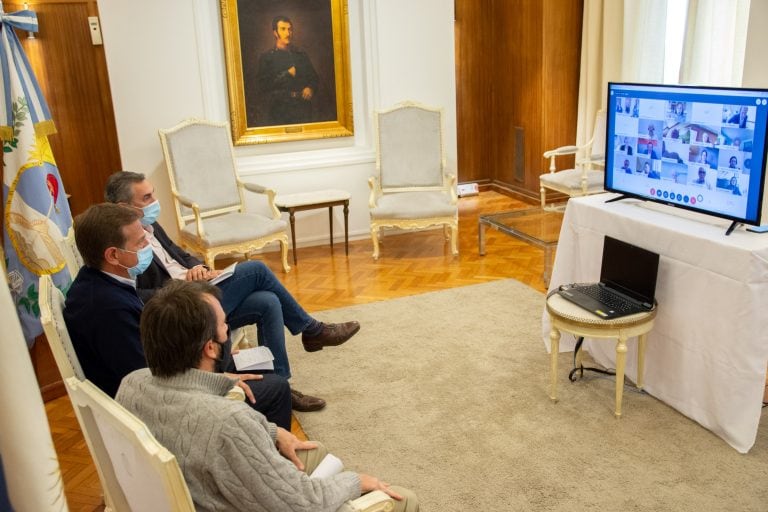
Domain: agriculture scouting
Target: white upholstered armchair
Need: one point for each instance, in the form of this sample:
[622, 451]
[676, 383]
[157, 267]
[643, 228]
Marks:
[209, 195]
[411, 188]
[587, 175]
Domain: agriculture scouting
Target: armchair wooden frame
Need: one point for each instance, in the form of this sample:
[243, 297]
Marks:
[450, 223]
[196, 243]
[583, 179]
[112, 430]
[51, 302]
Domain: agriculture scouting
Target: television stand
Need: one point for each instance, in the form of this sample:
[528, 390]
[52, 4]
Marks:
[617, 198]
[733, 226]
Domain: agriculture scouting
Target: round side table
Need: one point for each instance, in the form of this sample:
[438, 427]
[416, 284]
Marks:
[568, 317]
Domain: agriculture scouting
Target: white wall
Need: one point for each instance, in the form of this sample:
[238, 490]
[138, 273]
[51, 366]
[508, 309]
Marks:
[166, 63]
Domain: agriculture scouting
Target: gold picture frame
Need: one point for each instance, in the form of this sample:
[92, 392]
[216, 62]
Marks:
[312, 97]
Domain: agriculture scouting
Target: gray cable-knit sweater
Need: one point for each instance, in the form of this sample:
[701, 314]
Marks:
[225, 449]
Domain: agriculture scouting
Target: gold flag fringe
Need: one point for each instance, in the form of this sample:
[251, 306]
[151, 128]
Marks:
[44, 128]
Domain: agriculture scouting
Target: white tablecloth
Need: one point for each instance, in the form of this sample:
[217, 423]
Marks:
[707, 353]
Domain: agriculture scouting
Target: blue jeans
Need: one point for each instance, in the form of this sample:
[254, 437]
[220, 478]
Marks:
[253, 295]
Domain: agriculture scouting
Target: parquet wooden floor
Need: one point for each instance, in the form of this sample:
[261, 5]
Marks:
[409, 263]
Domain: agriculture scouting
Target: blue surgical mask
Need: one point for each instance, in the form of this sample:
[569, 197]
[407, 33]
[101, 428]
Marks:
[145, 258]
[151, 212]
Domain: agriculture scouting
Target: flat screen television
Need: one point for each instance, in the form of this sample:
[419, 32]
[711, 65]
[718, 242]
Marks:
[698, 148]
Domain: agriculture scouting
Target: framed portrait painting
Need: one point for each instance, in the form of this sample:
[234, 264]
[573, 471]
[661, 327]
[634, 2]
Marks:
[287, 69]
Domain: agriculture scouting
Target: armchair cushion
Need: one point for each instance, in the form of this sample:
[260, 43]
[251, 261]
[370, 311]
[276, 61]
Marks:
[571, 180]
[413, 205]
[233, 228]
[410, 147]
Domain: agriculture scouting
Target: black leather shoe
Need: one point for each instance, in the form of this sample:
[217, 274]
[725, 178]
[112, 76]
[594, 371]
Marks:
[331, 335]
[305, 403]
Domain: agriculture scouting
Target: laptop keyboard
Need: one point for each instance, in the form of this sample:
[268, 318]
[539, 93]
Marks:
[613, 301]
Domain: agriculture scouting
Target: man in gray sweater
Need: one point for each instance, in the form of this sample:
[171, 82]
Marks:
[231, 457]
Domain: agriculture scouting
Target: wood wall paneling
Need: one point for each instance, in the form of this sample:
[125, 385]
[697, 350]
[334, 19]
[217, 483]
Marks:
[474, 85]
[561, 65]
[523, 56]
[72, 73]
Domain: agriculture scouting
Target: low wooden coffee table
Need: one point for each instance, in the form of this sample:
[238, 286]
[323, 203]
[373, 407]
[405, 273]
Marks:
[538, 227]
[293, 203]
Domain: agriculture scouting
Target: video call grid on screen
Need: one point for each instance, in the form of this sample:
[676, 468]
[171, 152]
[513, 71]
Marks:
[695, 147]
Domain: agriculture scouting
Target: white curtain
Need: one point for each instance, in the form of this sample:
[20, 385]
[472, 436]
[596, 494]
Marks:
[645, 24]
[621, 41]
[715, 40]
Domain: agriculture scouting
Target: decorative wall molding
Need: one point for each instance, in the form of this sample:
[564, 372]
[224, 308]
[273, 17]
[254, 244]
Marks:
[307, 160]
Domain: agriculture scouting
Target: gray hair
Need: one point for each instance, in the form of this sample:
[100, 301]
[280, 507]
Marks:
[119, 187]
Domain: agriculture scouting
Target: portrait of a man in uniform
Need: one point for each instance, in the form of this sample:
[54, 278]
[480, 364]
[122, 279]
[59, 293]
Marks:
[288, 62]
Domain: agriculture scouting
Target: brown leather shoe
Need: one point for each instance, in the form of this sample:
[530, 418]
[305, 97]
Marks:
[305, 403]
[330, 336]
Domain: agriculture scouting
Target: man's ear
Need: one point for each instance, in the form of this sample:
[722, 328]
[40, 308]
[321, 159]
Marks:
[110, 255]
[210, 350]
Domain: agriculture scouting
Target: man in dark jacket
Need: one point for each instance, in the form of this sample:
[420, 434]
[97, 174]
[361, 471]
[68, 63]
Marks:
[252, 295]
[102, 309]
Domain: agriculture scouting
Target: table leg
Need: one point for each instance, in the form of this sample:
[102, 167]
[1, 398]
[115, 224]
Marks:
[346, 227]
[579, 360]
[621, 362]
[292, 219]
[481, 235]
[554, 347]
[330, 222]
[547, 264]
[640, 360]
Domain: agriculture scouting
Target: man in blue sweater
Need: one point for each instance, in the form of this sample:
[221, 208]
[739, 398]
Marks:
[252, 295]
[102, 309]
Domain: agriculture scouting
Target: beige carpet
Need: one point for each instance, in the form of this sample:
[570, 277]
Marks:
[446, 393]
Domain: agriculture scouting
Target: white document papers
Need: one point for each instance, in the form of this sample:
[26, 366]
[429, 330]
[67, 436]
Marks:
[225, 274]
[329, 466]
[256, 358]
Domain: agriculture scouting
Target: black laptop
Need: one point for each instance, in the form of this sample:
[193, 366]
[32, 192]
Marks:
[627, 282]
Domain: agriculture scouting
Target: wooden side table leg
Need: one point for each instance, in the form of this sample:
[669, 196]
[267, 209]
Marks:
[346, 227]
[547, 264]
[640, 360]
[554, 347]
[330, 223]
[481, 238]
[621, 362]
[292, 219]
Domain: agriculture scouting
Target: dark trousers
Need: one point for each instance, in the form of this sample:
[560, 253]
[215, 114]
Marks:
[273, 399]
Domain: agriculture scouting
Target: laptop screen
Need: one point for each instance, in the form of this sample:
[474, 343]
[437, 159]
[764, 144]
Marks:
[629, 269]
